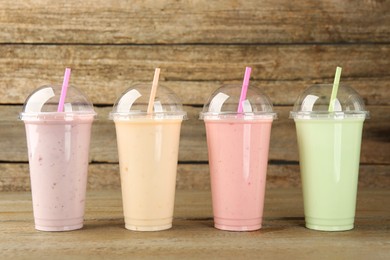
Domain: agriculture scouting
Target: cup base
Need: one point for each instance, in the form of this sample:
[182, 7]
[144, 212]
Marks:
[148, 228]
[58, 229]
[45, 224]
[322, 224]
[237, 224]
[237, 228]
[329, 228]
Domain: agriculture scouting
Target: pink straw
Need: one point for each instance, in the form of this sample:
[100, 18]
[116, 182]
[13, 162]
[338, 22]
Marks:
[244, 88]
[63, 90]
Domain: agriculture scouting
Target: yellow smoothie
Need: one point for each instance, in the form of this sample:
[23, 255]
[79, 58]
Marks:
[148, 154]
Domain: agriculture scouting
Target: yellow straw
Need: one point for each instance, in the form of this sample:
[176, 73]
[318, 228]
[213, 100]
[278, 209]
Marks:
[335, 89]
[153, 91]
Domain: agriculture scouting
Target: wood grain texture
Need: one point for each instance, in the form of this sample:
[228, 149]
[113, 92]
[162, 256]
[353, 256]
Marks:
[193, 235]
[15, 176]
[194, 71]
[199, 45]
[193, 147]
[185, 21]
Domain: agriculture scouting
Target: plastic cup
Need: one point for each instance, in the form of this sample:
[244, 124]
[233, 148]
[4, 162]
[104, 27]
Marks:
[238, 145]
[58, 149]
[148, 146]
[329, 153]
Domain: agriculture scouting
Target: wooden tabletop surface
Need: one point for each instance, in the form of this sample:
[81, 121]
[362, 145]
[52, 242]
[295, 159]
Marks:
[283, 235]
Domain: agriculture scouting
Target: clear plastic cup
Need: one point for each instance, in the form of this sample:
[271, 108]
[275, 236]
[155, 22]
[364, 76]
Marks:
[238, 145]
[58, 151]
[329, 153]
[148, 146]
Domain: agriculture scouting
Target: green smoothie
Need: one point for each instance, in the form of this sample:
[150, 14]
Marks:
[329, 152]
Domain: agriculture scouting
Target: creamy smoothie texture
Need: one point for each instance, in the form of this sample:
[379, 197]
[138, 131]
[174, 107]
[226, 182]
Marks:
[148, 153]
[238, 158]
[58, 158]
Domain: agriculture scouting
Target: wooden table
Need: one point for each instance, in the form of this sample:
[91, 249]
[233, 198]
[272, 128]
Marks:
[283, 235]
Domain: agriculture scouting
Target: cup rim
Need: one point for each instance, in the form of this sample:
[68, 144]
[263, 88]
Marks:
[327, 114]
[155, 115]
[235, 115]
[56, 116]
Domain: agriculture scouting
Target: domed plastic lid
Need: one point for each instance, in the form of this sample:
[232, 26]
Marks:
[223, 104]
[133, 103]
[42, 103]
[314, 103]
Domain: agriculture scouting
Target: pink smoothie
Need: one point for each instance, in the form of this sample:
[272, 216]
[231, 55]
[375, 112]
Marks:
[58, 157]
[238, 157]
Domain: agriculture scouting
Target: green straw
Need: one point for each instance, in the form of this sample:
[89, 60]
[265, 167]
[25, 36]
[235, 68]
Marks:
[335, 89]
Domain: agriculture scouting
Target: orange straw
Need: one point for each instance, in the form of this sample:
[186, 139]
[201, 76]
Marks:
[153, 91]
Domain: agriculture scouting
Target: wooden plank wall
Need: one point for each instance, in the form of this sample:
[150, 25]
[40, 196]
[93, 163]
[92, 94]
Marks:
[199, 45]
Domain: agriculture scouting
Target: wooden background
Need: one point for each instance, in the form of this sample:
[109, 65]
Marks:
[198, 45]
